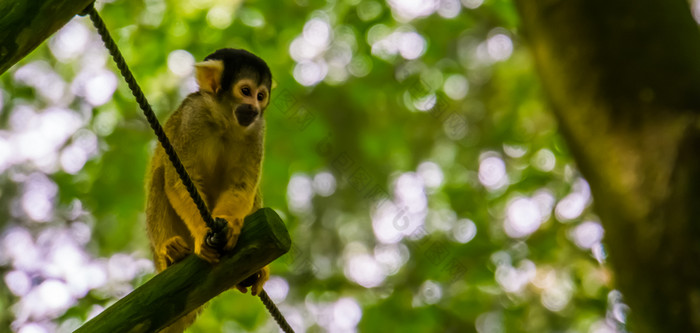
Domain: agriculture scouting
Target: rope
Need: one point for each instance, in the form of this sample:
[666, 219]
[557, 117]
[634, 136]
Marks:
[275, 312]
[217, 237]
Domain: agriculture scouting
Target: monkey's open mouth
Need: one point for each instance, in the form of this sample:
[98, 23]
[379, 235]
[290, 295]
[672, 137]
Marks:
[245, 115]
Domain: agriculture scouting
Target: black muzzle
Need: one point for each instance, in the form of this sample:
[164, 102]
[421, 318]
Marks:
[246, 114]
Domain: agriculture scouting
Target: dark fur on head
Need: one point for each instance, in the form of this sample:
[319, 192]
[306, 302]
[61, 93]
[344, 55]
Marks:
[239, 63]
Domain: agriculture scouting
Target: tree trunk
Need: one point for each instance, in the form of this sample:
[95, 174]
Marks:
[623, 78]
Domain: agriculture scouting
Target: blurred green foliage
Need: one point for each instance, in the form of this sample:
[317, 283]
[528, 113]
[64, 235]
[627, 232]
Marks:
[361, 124]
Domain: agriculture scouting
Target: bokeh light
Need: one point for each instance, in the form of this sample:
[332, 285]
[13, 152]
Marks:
[324, 184]
[38, 197]
[499, 47]
[40, 76]
[492, 172]
[409, 44]
[472, 4]
[252, 17]
[456, 86]
[407, 10]
[587, 234]
[449, 8]
[299, 193]
[70, 41]
[181, 63]
[369, 10]
[544, 160]
[220, 16]
[522, 217]
[429, 293]
[277, 288]
[572, 206]
[361, 267]
[464, 231]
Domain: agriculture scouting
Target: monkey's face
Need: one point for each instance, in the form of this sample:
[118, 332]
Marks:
[251, 100]
[240, 82]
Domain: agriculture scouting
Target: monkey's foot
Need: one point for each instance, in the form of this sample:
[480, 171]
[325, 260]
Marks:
[175, 249]
[255, 282]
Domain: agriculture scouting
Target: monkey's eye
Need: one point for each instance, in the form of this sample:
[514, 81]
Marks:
[245, 91]
[261, 96]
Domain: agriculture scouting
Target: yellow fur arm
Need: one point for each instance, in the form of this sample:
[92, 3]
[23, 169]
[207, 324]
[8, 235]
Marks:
[233, 206]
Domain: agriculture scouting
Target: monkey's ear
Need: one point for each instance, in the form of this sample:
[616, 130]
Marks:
[209, 75]
[274, 84]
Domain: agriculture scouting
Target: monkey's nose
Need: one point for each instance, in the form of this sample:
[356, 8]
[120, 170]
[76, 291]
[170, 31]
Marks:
[246, 114]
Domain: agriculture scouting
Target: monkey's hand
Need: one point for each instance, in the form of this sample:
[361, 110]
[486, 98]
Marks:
[209, 248]
[255, 282]
[206, 252]
[233, 230]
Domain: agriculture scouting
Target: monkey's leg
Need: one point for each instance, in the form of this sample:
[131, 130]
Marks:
[170, 238]
[186, 209]
[175, 242]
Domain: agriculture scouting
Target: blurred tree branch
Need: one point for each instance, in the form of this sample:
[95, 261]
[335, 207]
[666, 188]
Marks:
[24, 24]
[189, 284]
[624, 81]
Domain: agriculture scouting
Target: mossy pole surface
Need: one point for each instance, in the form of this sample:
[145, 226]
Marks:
[24, 24]
[192, 282]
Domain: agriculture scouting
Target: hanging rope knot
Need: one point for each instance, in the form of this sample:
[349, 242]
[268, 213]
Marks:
[216, 237]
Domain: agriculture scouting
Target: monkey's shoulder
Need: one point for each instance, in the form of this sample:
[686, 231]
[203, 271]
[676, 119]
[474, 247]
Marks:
[196, 116]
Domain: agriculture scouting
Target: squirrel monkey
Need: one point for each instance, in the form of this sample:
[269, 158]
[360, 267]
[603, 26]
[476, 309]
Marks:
[218, 133]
